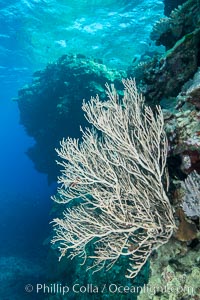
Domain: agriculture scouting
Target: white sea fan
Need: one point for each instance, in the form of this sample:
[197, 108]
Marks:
[119, 175]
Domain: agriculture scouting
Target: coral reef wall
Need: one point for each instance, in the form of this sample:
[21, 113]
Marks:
[173, 80]
[50, 107]
[163, 76]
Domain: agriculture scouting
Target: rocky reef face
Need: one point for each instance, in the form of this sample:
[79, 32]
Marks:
[174, 274]
[180, 34]
[50, 107]
[182, 20]
[164, 76]
[176, 75]
[183, 127]
[173, 80]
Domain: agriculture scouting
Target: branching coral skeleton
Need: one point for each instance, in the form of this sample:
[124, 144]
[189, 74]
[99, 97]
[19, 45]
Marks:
[117, 171]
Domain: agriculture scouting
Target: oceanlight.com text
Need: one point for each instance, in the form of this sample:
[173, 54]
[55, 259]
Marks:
[63, 289]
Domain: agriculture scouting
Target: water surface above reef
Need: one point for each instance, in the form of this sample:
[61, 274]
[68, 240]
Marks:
[34, 33]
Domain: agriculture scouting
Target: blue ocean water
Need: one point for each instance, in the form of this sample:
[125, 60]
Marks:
[32, 34]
